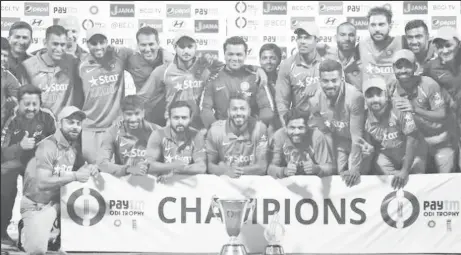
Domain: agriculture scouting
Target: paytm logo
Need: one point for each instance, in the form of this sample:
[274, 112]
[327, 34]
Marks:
[415, 7]
[36, 9]
[153, 23]
[296, 21]
[361, 23]
[329, 8]
[122, 10]
[178, 11]
[8, 22]
[275, 8]
[442, 21]
[207, 26]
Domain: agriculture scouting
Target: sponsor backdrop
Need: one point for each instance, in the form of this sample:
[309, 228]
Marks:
[258, 22]
[136, 214]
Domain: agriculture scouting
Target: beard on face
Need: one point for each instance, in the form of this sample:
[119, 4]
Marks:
[238, 120]
[71, 134]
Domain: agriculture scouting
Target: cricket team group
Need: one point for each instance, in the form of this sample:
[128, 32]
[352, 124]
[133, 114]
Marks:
[387, 105]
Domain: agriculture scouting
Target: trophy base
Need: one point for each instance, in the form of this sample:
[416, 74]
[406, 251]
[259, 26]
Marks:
[274, 249]
[233, 249]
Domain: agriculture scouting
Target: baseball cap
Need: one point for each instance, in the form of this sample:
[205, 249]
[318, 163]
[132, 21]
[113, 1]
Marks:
[307, 27]
[68, 111]
[446, 33]
[375, 82]
[182, 34]
[404, 54]
[69, 22]
[95, 31]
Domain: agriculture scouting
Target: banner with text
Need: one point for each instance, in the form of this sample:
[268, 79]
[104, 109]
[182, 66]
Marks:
[137, 214]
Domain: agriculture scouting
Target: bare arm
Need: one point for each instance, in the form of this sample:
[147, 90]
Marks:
[153, 156]
[211, 144]
[357, 123]
[275, 168]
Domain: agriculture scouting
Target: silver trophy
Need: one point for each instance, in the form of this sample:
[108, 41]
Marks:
[274, 235]
[233, 215]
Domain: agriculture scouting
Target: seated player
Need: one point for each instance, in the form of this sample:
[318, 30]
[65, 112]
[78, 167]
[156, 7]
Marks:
[46, 173]
[300, 150]
[338, 108]
[237, 146]
[127, 141]
[177, 148]
[393, 134]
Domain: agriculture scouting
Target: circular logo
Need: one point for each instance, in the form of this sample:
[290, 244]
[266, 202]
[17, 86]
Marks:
[28, 9]
[117, 223]
[71, 207]
[94, 10]
[435, 22]
[241, 22]
[87, 24]
[244, 86]
[388, 6]
[323, 7]
[431, 224]
[241, 7]
[397, 223]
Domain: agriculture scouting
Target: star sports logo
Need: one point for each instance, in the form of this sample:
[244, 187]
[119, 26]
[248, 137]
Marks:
[178, 11]
[330, 8]
[442, 21]
[122, 10]
[207, 26]
[415, 7]
[153, 23]
[275, 8]
[36, 9]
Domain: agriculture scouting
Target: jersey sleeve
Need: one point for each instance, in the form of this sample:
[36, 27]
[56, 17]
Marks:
[154, 147]
[199, 154]
[207, 103]
[265, 103]
[212, 144]
[11, 84]
[323, 154]
[46, 155]
[107, 152]
[261, 143]
[276, 147]
[407, 123]
[435, 96]
[153, 85]
[283, 89]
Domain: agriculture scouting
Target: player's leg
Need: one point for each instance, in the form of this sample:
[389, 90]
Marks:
[38, 220]
[10, 171]
[444, 158]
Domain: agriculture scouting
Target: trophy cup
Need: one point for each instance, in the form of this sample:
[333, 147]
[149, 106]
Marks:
[274, 235]
[233, 215]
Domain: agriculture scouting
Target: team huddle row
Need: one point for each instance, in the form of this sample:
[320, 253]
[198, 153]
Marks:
[387, 105]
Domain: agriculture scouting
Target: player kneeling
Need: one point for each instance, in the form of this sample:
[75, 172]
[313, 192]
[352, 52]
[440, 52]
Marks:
[393, 135]
[237, 146]
[300, 150]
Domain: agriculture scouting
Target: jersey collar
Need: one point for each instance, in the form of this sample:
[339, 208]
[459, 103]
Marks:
[300, 62]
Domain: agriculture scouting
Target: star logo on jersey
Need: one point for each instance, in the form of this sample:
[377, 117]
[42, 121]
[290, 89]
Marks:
[168, 158]
[93, 82]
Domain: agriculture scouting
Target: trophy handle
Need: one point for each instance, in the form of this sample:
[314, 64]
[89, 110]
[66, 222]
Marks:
[251, 205]
[215, 205]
